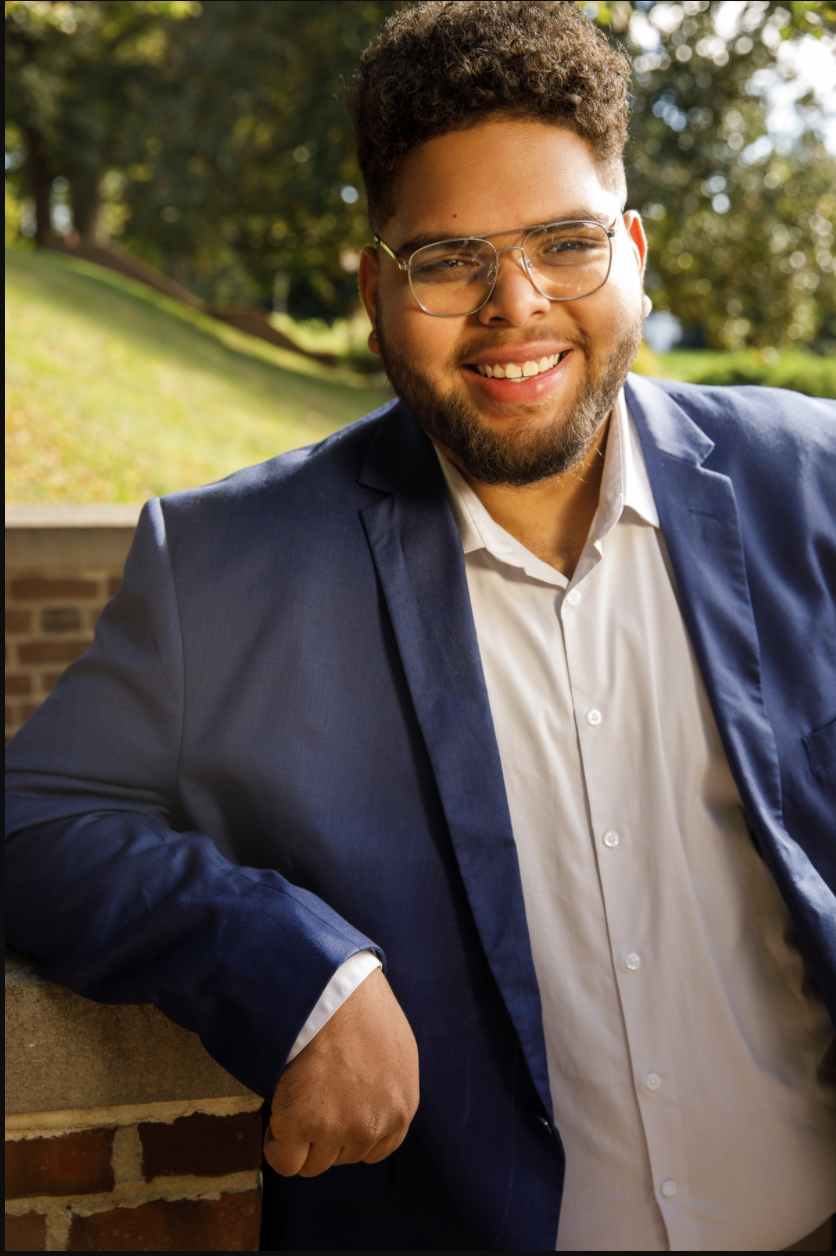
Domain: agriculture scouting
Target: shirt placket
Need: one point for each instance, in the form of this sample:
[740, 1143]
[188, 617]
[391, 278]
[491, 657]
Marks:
[627, 899]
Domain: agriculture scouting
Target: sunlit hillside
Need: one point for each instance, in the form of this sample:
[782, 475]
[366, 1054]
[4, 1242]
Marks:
[116, 393]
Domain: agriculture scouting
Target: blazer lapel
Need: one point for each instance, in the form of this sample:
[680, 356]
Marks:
[419, 561]
[698, 513]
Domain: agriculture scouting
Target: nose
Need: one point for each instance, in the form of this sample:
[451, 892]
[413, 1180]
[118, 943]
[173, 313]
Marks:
[514, 299]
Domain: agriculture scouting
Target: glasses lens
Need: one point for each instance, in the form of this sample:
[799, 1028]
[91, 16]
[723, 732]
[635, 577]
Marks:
[453, 277]
[569, 259]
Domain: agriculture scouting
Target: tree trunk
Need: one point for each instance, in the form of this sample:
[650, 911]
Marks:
[40, 176]
[86, 203]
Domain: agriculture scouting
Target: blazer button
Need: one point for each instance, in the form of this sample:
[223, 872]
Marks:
[544, 1122]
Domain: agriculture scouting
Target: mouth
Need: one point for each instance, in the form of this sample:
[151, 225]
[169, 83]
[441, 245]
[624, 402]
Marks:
[518, 372]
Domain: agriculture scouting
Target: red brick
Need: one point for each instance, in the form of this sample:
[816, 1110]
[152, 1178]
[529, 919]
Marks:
[26, 1233]
[228, 1224]
[51, 651]
[73, 1164]
[114, 584]
[93, 616]
[27, 709]
[36, 589]
[49, 681]
[19, 686]
[18, 621]
[10, 716]
[60, 619]
[204, 1145]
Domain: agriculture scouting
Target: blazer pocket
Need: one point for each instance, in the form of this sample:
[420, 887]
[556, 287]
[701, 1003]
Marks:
[821, 748]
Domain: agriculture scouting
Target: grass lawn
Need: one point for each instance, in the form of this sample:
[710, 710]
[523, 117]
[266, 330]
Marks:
[115, 393]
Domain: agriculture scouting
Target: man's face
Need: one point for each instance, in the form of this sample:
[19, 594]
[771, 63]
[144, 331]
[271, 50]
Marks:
[501, 174]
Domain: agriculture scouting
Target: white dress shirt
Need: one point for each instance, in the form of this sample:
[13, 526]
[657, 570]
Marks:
[684, 1034]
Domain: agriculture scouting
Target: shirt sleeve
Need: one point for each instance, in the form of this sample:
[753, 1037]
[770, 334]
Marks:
[343, 983]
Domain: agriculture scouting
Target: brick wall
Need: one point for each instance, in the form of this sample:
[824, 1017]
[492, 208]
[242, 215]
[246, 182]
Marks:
[135, 1181]
[63, 563]
[50, 617]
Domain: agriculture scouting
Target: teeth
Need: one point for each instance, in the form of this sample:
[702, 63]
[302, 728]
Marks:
[520, 370]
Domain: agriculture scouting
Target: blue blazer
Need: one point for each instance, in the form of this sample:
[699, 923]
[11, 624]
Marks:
[279, 751]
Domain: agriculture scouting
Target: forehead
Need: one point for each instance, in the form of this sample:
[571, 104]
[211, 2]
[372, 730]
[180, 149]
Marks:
[500, 174]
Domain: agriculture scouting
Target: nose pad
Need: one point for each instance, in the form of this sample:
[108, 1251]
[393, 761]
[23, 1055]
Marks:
[492, 269]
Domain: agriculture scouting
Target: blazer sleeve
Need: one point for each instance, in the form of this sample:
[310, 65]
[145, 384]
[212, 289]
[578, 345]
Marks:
[107, 886]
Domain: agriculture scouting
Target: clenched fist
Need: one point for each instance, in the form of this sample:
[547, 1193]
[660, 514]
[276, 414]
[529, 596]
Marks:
[351, 1093]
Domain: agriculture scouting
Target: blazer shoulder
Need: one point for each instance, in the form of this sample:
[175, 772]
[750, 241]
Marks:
[771, 422]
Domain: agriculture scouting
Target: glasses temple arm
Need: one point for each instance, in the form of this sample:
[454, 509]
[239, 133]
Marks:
[401, 265]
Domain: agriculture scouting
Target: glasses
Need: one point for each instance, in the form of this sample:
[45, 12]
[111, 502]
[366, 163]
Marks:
[564, 260]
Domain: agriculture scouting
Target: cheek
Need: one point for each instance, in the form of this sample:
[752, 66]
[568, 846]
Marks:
[415, 335]
[617, 303]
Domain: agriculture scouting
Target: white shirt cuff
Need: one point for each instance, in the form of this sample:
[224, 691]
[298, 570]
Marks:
[343, 983]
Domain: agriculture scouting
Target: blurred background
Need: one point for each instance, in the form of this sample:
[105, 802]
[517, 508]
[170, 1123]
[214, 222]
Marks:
[184, 215]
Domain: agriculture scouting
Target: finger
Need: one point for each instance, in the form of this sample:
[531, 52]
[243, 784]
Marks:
[286, 1156]
[321, 1156]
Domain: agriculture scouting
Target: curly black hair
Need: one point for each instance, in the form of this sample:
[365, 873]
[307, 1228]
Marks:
[441, 67]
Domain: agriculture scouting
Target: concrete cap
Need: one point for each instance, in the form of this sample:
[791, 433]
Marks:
[64, 1051]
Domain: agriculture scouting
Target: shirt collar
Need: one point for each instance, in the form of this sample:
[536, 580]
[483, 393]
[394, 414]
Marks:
[624, 486]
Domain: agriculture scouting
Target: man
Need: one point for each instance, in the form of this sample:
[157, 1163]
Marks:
[526, 683]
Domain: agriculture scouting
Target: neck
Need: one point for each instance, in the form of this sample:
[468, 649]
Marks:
[552, 517]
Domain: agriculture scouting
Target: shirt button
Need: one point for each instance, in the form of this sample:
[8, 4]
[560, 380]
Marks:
[593, 717]
[653, 1081]
[610, 838]
[632, 961]
[669, 1188]
[573, 597]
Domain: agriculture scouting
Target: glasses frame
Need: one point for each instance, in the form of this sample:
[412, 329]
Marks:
[527, 263]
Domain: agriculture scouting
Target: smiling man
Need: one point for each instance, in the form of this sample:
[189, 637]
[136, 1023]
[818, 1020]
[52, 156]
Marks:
[523, 686]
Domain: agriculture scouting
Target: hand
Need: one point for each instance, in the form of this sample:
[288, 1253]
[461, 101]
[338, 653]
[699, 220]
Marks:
[351, 1093]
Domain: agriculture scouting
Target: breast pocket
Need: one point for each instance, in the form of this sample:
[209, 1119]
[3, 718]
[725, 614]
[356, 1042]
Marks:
[821, 748]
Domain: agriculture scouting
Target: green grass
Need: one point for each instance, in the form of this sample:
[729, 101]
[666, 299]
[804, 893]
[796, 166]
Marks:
[116, 393]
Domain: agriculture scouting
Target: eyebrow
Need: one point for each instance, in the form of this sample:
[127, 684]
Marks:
[416, 242]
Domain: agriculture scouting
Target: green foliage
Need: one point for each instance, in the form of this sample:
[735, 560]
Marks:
[115, 393]
[741, 234]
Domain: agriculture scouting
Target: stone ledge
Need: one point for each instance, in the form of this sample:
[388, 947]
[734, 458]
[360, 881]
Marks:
[66, 1052]
[61, 538]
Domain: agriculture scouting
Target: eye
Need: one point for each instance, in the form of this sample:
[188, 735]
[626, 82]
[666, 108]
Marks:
[568, 245]
[448, 263]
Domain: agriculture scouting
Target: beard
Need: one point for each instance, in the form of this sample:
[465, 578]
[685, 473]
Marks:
[549, 448]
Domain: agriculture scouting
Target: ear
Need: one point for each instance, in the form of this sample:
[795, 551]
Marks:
[368, 278]
[635, 230]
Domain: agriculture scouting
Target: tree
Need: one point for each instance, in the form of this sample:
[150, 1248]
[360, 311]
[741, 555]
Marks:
[741, 231]
[72, 72]
[244, 160]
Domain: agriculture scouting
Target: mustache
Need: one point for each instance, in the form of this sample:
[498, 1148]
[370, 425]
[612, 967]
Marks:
[498, 343]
